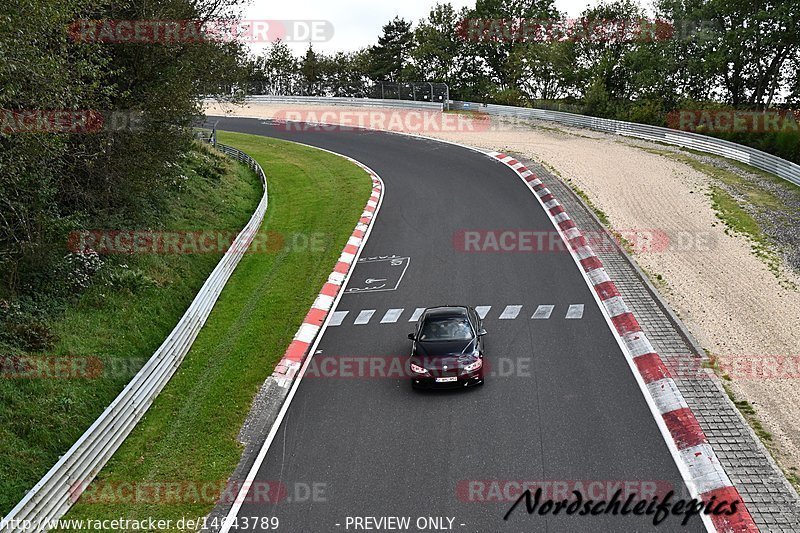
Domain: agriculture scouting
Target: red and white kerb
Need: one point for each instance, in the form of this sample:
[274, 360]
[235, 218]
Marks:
[292, 360]
[706, 474]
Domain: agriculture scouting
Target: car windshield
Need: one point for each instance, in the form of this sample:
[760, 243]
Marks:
[446, 329]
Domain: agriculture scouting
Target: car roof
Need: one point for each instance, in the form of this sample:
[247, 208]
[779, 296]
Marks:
[446, 311]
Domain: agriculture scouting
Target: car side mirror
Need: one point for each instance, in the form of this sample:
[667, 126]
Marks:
[481, 332]
[411, 336]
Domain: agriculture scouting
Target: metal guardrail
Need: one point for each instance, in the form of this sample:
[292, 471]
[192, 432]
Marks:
[60, 487]
[770, 163]
[761, 160]
[353, 102]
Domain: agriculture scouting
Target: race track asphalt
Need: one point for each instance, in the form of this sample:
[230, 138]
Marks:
[569, 409]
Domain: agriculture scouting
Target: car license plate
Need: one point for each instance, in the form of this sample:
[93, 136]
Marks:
[446, 380]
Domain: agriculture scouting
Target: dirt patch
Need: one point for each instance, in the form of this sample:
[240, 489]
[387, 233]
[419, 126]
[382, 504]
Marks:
[730, 300]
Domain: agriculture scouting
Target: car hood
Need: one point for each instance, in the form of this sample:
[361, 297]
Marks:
[445, 348]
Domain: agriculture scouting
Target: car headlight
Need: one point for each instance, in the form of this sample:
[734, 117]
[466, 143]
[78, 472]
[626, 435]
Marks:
[418, 369]
[474, 366]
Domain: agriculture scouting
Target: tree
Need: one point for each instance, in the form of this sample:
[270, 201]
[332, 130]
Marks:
[739, 49]
[545, 70]
[596, 100]
[603, 52]
[52, 183]
[345, 74]
[794, 81]
[389, 57]
[311, 67]
[437, 53]
[500, 36]
[278, 69]
[441, 53]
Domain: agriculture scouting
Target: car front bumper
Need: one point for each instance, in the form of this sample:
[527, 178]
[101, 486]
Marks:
[465, 379]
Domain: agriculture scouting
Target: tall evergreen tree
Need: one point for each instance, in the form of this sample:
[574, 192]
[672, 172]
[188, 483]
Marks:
[390, 56]
[311, 71]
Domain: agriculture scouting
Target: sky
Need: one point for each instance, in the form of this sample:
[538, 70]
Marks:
[357, 23]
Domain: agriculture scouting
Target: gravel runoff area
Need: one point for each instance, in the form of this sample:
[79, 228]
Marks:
[733, 304]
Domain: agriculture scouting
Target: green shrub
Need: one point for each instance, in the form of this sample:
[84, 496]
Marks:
[511, 96]
[24, 325]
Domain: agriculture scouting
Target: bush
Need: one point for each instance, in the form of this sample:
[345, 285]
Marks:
[647, 111]
[597, 101]
[23, 325]
[131, 280]
[78, 269]
[511, 96]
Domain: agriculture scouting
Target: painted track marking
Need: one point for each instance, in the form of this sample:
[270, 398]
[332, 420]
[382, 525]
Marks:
[510, 312]
[391, 316]
[338, 318]
[575, 311]
[417, 313]
[483, 310]
[364, 316]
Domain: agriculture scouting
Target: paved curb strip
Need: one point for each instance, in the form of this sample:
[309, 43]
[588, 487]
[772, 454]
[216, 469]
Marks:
[703, 473]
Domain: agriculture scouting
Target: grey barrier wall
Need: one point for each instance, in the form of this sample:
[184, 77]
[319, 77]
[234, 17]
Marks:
[761, 160]
[57, 491]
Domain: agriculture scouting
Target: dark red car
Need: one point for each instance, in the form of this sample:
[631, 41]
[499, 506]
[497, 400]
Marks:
[447, 350]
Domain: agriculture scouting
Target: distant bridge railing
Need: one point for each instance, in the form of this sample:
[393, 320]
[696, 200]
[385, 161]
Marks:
[761, 160]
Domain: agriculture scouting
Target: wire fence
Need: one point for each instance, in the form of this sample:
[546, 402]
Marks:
[416, 91]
